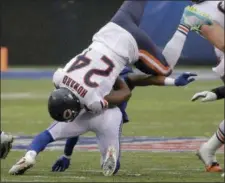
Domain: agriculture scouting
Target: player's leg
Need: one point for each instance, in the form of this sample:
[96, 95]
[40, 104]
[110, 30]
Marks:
[191, 19]
[175, 45]
[57, 131]
[129, 13]
[6, 144]
[151, 59]
[108, 137]
[208, 150]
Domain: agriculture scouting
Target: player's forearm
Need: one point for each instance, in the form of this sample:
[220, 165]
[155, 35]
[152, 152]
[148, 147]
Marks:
[145, 80]
[214, 34]
[117, 97]
[220, 92]
[70, 143]
[120, 93]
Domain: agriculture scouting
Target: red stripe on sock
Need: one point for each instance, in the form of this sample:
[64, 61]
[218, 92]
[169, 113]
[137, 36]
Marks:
[220, 136]
[184, 28]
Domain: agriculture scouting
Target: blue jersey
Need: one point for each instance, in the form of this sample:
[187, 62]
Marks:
[123, 106]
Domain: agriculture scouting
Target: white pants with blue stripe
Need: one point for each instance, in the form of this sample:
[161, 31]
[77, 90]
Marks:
[107, 127]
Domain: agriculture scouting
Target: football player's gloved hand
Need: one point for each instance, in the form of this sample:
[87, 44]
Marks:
[206, 96]
[185, 79]
[194, 19]
[61, 164]
[97, 107]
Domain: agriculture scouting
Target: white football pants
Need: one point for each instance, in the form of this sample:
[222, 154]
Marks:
[107, 126]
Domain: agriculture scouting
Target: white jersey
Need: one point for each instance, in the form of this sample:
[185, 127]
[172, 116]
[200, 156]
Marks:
[92, 74]
[118, 40]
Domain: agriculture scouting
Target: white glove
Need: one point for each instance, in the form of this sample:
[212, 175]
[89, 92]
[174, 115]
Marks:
[206, 96]
[97, 107]
[58, 77]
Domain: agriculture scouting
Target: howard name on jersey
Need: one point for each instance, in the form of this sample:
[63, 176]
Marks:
[92, 74]
[213, 8]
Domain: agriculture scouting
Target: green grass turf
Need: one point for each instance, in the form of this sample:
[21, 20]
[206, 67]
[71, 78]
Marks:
[154, 111]
[136, 167]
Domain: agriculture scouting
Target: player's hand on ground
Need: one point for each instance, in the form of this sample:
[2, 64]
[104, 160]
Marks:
[61, 164]
[194, 19]
[97, 107]
[185, 79]
[205, 96]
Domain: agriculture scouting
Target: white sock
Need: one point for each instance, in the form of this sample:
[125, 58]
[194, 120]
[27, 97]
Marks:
[174, 47]
[213, 144]
[32, 154]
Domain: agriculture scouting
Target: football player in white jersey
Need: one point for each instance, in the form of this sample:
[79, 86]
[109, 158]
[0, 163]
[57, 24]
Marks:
[83, 84]
[88, 77]
[211, 10]
[107, 126]
[215, 34]
[214, 12]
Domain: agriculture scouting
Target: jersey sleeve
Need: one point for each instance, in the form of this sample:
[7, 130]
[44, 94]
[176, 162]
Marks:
[58, 77]
[220, 92]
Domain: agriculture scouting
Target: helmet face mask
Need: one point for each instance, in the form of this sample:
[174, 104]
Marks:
[63, 105]
[69, 115]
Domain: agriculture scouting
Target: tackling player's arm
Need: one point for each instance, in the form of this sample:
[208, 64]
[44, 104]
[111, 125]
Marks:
[121, 93]
[146, 80]
[207, 96]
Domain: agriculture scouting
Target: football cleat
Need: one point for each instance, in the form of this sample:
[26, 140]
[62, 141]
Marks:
[110, 162]
[214, 167]
[194, 19]
[209, 159]
[22, 165]
[6, 144]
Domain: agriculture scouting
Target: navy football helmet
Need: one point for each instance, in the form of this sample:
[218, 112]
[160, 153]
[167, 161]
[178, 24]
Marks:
[63, 105]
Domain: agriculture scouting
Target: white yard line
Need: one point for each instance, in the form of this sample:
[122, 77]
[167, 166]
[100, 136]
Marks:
[23, 95]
